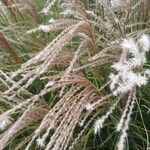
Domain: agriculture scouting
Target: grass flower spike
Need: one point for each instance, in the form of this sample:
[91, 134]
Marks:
[74, 74]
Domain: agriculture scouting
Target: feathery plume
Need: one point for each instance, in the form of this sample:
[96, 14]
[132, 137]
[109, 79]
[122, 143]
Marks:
[123, 125]
[89, 107]
[40, 142]
[126, 78]
[144, 41]
[100, 122]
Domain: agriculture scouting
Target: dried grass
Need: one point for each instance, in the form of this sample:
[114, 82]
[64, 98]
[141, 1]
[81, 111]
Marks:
[97, 36]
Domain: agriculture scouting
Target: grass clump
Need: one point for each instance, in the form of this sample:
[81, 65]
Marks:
[74, 74]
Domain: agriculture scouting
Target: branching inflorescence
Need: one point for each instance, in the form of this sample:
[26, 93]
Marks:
[130, 74]
[75, 43]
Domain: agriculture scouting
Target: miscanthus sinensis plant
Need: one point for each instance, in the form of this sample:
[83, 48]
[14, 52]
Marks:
[71, 70]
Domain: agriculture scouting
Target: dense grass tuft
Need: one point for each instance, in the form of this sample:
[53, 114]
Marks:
[74, 74]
